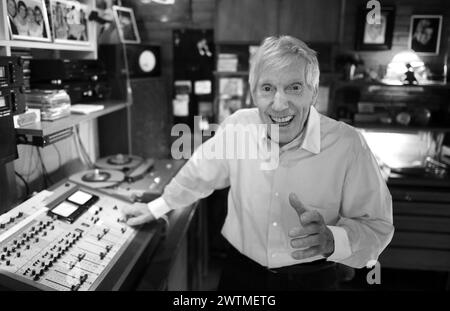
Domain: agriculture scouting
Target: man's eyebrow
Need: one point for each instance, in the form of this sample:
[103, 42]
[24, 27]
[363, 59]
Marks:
[293, 81]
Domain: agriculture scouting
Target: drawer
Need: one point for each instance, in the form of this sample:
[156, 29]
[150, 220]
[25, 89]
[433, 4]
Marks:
[421, 224]
[419, 195]
[415, 259]
[421, 209]
[436, 241]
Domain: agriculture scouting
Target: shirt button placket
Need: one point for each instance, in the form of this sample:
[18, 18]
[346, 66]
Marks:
[273, 225]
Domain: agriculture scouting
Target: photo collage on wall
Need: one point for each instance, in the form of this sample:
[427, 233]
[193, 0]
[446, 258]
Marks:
[64, 21]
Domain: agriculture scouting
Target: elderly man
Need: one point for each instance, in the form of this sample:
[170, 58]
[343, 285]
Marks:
[325, 202]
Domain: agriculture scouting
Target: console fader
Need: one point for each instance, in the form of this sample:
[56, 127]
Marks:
[67, 239]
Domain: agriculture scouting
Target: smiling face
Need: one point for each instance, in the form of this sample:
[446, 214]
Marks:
[22, 11]
[283, 98]
[30, 15]
[37, 15]
[12, 9]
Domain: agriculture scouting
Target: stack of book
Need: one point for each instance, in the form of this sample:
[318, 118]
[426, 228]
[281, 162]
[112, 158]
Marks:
[54, 104]
[227, 62]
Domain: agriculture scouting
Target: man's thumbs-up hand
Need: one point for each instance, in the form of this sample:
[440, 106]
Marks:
[312, 237]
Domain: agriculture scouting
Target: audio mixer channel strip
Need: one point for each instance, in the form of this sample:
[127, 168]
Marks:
[65, 240]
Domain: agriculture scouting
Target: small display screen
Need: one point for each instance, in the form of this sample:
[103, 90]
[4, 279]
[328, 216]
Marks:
[80, 197]
[2, 101]
[2, 71]
[65, 209]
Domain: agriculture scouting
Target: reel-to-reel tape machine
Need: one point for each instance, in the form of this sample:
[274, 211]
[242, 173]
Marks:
[129, 177]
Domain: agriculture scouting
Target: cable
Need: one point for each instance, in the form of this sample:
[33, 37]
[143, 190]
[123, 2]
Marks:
[45, 174]
[77, 147]
[59, 156]
[27, 187]
[82, 150]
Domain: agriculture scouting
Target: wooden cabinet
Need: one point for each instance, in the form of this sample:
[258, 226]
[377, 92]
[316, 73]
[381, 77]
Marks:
[310, 20]
[253, 20]
[245, 20]
[422, 228]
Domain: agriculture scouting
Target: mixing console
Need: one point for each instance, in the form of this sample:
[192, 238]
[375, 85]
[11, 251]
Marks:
[67, 239]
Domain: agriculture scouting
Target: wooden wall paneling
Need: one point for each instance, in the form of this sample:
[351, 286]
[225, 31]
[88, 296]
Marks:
[245, 20]
[310, 20]
[113, 133]
[150, 118]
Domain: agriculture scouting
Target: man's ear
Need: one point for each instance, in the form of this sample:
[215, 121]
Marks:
[315, 96]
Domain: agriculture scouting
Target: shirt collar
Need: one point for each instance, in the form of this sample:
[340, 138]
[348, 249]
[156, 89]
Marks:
[311, 142]
[309, 138]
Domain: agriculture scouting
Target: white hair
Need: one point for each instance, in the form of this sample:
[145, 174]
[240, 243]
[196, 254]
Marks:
[281, 52]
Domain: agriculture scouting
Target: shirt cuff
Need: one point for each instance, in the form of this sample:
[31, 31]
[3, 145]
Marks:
[342, 248]
[158, 207]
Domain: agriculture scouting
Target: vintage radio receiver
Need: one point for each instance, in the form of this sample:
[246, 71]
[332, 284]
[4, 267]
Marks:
[79, 91]
[71, 239]
[11, 72]
[8, 146]
[83, 80]
[13, 98]
[11, 84]
[64, 70]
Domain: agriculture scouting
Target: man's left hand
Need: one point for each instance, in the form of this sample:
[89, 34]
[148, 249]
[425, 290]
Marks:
[312, 237]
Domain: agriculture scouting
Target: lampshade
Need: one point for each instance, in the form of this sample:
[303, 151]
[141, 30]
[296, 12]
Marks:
[397, 67]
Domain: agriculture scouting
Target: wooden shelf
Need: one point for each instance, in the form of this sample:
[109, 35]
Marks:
[45, 128]
[47, 45]
[376, 83]
[231, 73]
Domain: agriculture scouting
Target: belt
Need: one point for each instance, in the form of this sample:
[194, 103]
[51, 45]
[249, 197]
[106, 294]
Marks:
[303, 268]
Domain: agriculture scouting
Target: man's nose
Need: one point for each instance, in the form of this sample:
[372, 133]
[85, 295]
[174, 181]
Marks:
[280, 102]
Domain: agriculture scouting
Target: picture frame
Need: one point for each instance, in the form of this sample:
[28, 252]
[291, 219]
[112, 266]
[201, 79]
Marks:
[126, 25]
[28, 20]
[375, 37]
[425, 34]
[69, 22]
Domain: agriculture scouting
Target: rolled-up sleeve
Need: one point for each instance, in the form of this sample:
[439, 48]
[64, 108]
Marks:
[366, 209]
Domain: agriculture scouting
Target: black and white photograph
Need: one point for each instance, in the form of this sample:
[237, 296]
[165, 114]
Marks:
[126, 24]
[270, 155]
[27, 20]
[69, 21]
[425, 34]
[377, 35]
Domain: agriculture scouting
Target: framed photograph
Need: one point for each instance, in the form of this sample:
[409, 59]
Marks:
[28, 20]
[376, 36]
[126, 24]
[69, 22]
[425, 34]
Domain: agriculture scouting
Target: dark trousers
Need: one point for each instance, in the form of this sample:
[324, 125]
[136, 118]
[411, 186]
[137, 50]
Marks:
[240, 273]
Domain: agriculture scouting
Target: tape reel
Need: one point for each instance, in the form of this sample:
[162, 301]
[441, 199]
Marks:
[119, 162]
[98, 178]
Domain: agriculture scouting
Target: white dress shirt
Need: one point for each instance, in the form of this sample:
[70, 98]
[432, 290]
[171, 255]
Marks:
[329, 167]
